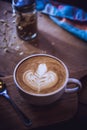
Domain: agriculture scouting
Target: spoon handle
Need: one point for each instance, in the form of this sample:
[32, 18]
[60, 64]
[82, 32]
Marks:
[24, 118]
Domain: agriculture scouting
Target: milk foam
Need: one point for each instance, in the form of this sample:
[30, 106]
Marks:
[41, 78]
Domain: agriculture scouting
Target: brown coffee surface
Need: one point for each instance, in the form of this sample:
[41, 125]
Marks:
[51, 76]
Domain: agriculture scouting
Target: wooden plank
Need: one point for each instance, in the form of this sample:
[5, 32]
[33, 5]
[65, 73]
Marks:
[61, 110]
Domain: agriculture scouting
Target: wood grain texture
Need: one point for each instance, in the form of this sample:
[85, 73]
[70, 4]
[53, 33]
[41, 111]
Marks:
[52, 40]
[61, 110]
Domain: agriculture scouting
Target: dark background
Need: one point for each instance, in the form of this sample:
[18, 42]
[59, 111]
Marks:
[78, 3]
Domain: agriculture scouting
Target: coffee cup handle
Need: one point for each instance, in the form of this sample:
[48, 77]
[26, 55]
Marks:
[73, 81]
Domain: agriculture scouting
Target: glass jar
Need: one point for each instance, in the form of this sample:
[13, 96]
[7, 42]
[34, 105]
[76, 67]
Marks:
[26, 19]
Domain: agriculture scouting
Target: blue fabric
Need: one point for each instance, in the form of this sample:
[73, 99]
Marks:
[66, 11]
[40, 4]
[72, 29]
[56, 10]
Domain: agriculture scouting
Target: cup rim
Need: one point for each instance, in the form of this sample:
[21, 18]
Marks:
[34, 94]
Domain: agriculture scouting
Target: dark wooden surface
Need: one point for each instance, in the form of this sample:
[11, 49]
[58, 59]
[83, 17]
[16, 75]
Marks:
[52, 40]
[57, 112]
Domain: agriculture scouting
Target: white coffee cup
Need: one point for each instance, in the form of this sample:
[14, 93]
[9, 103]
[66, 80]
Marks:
[46, 71]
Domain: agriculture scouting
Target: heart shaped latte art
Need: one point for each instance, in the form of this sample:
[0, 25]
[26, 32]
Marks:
[41, 79]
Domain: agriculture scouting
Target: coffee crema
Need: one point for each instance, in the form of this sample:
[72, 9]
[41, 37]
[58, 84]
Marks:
[40, 74]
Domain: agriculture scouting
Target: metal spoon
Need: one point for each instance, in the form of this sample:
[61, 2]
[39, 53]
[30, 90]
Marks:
[3, 92]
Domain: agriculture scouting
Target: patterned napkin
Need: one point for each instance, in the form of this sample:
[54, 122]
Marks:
[71, 18]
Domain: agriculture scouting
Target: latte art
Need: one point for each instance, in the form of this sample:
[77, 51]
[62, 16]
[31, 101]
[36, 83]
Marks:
[40, 79]
[40, 74]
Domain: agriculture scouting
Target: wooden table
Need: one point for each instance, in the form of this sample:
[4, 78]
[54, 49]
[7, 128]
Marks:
[52, 40]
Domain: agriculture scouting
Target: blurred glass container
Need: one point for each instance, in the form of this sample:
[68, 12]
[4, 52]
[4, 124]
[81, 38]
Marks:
[26, 19]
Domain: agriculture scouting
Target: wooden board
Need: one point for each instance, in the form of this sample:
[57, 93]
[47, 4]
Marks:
[61, 110]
